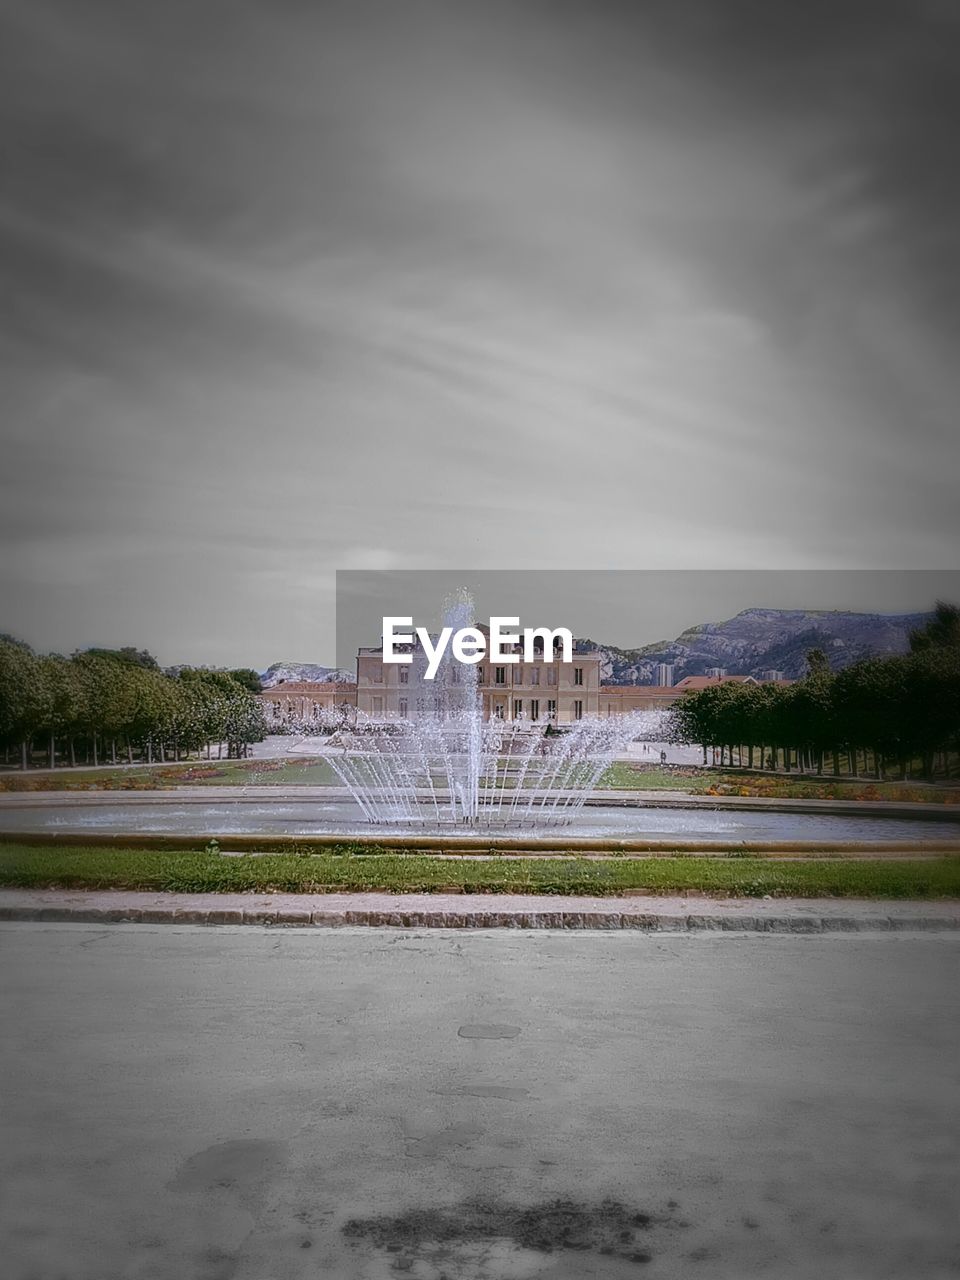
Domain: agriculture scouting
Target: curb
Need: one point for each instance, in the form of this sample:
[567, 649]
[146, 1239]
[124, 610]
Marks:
[651, 922]
[486, 845]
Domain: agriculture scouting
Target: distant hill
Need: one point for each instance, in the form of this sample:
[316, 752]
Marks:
[759, 639]
[285, 672]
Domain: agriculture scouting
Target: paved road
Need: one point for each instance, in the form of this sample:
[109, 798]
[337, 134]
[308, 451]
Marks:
[247, 1104]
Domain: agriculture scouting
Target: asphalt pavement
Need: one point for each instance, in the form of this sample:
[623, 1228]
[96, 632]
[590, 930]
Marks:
[218, 1103]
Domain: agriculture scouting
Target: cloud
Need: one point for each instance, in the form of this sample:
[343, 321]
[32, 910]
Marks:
[291, 285]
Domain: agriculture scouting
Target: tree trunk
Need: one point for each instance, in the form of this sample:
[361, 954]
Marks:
[129, 752]
[73, 755]
[24, 752]
[53, 751]
[95, 760]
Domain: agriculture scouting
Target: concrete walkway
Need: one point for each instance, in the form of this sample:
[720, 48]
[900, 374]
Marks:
[481, 911]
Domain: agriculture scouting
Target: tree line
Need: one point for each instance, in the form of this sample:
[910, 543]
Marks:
[879, 714]
[106, 706]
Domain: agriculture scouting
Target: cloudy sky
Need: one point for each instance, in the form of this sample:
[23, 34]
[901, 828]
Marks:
[298, 285]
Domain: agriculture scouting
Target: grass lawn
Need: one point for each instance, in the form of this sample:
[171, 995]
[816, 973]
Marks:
[101, 868]
[623, 776]
[626, 776]
[311, 771]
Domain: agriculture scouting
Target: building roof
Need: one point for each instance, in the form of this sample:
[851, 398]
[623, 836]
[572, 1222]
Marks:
[704, 682]
[648, 690]
[693, 684]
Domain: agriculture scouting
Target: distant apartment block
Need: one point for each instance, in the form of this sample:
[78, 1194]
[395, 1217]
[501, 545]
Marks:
[663, 675]
[771, 675]
[716, 673]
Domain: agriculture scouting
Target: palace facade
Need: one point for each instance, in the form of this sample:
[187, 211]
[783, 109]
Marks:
[303, 701]
[540, 692]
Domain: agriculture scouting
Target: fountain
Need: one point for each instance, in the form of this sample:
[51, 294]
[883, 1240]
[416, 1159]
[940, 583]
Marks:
[445, 765]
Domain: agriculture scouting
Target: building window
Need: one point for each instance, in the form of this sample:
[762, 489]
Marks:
[518, 676]
[578, 710]
[578, 675]
[455, 673]
[378, 706]
[404, 676]
[403, 708]
[534, 708]
[551, 675]
[499, 710]
[500, 676]
[534, 675]
[517, 708]
[551, 708]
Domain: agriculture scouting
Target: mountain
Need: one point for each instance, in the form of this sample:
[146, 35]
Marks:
[285, 672]
[760, 639]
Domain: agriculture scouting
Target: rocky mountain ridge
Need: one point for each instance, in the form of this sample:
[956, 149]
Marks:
[759, 640]
[290, 672]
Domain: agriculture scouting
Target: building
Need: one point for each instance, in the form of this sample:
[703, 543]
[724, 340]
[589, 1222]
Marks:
[620, 699]
[771, 676]
[541, 691]
[664, 675]
[716, 673]
[304, 701]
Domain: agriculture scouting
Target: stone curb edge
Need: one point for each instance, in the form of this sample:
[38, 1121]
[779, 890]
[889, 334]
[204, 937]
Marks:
[607, 920]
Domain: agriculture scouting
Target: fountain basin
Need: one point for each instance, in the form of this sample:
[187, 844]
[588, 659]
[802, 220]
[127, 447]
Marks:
[617, 824]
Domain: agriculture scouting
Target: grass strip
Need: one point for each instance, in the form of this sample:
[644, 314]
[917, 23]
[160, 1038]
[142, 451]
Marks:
[620, 776]
[33, 867]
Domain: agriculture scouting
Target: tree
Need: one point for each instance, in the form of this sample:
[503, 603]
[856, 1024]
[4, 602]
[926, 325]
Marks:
[131, 656]
[942, 631]
[21, 696]
[248, 679]
[62, 709]
[109, 698]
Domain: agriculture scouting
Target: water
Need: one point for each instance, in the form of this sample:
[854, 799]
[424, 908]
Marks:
[444, 765]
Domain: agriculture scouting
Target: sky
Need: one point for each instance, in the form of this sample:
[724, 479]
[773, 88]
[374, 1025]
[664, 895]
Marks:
[291, 287]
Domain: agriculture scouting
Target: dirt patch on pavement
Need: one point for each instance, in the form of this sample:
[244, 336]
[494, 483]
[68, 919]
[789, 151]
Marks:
[610, 1228]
